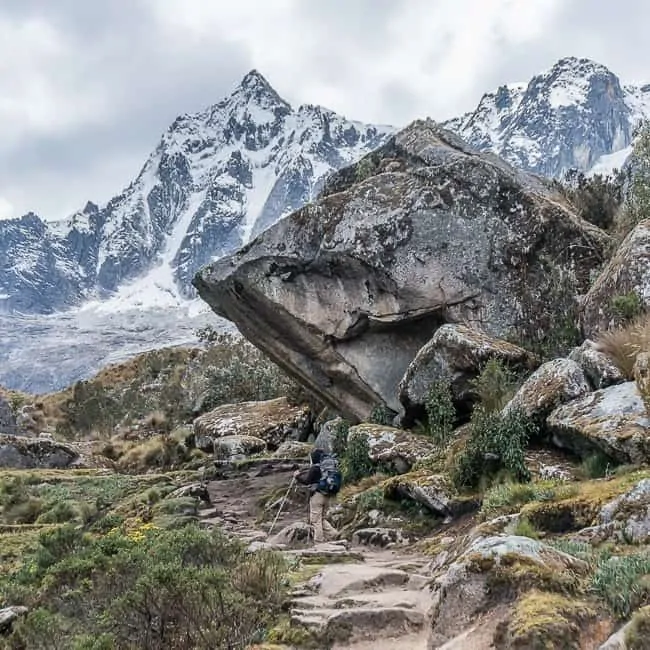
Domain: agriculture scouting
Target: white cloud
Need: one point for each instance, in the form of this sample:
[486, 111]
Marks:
[6, 209]
[92, 85]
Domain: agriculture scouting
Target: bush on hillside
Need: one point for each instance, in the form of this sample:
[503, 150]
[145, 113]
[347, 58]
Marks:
[497, 443]
[495, 386]
[597, 199]
[146, 588]
[441, 412]
[356, 463]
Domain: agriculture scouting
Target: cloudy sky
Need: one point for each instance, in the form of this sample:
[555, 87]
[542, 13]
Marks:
[87, 87]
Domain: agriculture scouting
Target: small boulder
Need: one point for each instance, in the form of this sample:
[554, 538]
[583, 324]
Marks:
[382, 537]
[627, 272]
[293, 450]
[456, 353]
[274, 421]
[394, 448]
[8, 617]
[296, 533]
[642, 378]
[612, 420]
[325, 438]
[554, 383]
[627, 517]
[236, 447]
[432, 491]
[194, 490]
[24, 452]
[599, 369]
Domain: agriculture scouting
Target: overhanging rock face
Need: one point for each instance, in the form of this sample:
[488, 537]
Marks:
[424, 231]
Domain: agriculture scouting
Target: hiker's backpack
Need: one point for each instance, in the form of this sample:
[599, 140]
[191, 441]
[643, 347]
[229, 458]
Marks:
[330, 476]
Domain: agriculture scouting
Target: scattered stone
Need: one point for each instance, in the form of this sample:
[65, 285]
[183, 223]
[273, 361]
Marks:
[383, 537]
[625, 519]
[555, 383]
[237, 447]
[456, 353]
[642, 378]
[25, 452]
[627, 272]
[612, 420]
[8, 616]
[297, 532]
[194, 490]
[294, 450]
[393, 448]
[347, 289]
[432, 491]
[273, 421]
[599, 369]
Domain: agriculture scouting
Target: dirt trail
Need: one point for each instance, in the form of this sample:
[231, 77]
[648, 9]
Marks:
[361, 599]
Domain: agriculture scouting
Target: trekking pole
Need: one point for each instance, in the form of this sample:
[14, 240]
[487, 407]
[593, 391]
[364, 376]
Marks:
[293, 480]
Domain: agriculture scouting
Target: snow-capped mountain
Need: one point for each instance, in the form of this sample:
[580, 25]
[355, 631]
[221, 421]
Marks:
[216, 179]
[219, 177]
[577, 115]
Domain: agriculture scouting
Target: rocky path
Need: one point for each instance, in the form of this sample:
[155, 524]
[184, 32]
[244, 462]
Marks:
[360, 598]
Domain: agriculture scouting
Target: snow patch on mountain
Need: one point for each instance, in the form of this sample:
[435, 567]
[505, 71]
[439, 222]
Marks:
[574, 115]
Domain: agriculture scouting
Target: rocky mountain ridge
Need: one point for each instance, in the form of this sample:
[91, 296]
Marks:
[215, 179]
[576, 115]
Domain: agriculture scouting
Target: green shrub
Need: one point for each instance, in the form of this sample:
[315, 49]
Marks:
[597, 465]
[638, 631]
[441, 412]
[525, 528]
[356, 463]
[340, 438]
[495, 386]
[147, 589]
[597, 198]
[372, 499]
[496, 443]
[623, 582]
[627, 307]
[508, 497]
[239, 372]
[381, 415]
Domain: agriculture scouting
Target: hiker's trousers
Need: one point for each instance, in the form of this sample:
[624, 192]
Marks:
[318, 506]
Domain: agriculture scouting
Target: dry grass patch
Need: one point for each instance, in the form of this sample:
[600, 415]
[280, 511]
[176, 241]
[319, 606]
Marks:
[623, 344]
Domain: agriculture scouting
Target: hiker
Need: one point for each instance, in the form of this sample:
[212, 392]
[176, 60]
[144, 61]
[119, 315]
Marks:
[324, 480]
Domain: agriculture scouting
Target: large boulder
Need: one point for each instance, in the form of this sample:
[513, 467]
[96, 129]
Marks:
[395, 449]
[424, 231]
[554, 383]
[612, 420]
[23, 452]
[456, 353]
[627, 272]
[467, 587]
[274, 421]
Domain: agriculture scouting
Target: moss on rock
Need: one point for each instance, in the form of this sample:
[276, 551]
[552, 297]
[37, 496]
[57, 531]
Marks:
[548, 621]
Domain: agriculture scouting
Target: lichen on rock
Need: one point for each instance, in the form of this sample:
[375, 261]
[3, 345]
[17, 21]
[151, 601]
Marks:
[612, 420]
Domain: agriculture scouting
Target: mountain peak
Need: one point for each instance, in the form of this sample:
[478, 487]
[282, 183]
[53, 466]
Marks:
[255, 86]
